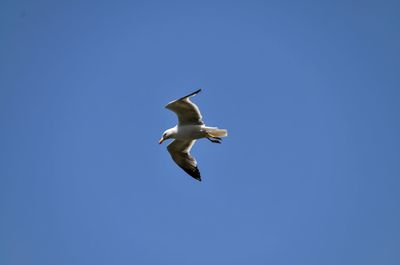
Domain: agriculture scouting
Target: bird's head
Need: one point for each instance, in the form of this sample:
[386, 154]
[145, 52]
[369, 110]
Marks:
[167, 135]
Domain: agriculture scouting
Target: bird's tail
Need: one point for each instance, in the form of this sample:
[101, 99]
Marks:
[215, 132]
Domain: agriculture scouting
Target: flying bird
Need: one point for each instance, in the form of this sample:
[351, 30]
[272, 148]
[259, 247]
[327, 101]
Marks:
[190, 128]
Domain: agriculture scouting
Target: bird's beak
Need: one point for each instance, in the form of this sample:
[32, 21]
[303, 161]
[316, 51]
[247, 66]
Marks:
[161, 140]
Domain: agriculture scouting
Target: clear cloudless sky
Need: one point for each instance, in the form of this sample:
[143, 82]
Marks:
[309, 91]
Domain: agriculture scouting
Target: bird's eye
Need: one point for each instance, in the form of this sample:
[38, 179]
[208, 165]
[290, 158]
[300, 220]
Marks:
[164, 134]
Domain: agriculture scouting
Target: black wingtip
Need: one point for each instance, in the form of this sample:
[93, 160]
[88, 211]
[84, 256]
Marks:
[199, 179]
[197, 91]
[194, 173]
[196, 176]
[191, 94]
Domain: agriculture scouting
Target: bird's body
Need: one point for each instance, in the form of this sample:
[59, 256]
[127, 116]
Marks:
[190, 128]
[191, 132]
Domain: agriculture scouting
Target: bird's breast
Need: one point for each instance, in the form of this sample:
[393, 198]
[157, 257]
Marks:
[190, 132]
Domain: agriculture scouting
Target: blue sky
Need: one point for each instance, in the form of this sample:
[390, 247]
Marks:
[309, 91]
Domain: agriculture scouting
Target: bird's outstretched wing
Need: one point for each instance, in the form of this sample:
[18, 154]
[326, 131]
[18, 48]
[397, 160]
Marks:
[188, 113]
[180, 153]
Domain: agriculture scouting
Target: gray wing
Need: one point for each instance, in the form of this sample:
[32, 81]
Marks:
[180, 153]
[188, 113]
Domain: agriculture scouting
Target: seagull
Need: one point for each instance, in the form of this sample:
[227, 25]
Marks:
[190, 128]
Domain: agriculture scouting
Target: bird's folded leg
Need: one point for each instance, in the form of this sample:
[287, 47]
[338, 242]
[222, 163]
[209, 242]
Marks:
[214, 140]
